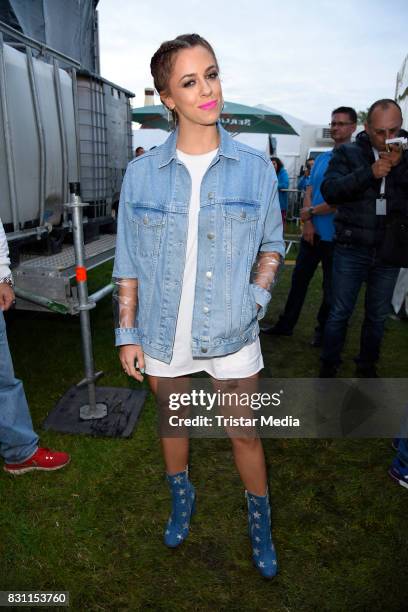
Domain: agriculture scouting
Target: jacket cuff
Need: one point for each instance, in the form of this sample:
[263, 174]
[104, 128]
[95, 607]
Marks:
[262, 297]
[127, 335]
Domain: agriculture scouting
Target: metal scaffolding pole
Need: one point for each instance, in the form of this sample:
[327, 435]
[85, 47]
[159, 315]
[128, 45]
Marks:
[92, 410]
[86, 408]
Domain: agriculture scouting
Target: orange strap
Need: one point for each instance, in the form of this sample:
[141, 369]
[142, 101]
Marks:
[81, 275]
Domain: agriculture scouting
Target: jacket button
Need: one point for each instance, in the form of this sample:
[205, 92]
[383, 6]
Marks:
[145, 220]
[243, 214]
[203, 349]
[210, 195]
[210, 236]
[206, 309]
[208, 274]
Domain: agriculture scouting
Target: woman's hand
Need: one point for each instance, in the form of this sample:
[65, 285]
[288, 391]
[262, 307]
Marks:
[128, 355]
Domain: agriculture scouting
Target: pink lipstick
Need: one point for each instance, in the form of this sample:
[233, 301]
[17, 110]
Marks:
[209, 105]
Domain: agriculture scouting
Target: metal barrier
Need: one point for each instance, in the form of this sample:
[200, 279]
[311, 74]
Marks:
[295, 203]
[290, 240]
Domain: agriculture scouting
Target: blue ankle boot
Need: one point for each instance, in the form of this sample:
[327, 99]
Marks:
[183, 507]
[259, 523]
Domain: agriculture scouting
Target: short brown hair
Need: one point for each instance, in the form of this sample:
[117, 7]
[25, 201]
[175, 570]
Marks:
[346, 110]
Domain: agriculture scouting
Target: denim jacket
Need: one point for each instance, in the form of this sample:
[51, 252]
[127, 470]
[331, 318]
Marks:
[239, 217]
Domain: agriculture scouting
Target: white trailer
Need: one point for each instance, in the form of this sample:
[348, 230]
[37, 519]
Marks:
[401, 91]
[400, 297]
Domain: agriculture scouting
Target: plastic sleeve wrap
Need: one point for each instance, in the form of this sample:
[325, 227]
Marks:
[125, 311]
[264, 275]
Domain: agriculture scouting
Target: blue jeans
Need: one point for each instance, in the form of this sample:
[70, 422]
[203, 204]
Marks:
[353, 266]
[18, 440]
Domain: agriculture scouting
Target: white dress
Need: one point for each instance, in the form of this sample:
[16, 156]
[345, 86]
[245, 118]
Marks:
[245, 362]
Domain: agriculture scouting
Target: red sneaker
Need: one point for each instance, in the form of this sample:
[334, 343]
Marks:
[43, 459]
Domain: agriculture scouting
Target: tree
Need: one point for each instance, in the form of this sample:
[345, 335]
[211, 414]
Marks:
[362, 116]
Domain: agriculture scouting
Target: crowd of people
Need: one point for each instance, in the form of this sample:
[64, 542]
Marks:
[199, 246]
[355, 223]
[354, 217]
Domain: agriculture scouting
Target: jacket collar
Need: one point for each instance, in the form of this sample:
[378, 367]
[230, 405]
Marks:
[227, 148]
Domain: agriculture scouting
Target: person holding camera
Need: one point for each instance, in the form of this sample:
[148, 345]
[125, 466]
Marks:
[367, 181]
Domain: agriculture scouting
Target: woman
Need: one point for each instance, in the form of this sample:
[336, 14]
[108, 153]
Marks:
[303, 181]
[283, 184]
[196, 214]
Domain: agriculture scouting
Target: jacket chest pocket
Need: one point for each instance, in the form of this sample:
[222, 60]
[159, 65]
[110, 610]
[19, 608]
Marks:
[149, 224]
[240, 225]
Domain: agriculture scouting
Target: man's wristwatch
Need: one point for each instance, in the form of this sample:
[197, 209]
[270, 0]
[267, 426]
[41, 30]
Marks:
[311, 213]
[8, 280]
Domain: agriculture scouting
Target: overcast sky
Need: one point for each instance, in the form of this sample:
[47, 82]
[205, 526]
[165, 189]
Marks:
[303, 58]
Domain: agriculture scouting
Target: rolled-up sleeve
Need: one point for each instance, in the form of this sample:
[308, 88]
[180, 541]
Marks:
[272, 239]
[125, 272]
[272, 248]
[125, 265]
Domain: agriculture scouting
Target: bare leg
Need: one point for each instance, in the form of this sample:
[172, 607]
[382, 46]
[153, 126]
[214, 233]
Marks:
[250, 461]
[248, 451]
[175, 453]
[175, 450]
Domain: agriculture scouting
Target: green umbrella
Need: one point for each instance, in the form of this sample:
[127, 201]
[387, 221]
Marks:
[151, 117]
[237, 118]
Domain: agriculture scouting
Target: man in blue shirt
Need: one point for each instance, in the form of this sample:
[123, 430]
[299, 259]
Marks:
[316, 243]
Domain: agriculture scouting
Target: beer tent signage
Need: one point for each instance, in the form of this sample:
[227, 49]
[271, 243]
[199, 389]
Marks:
[236, 118]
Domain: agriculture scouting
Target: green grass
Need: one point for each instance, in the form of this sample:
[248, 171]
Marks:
[95, 528]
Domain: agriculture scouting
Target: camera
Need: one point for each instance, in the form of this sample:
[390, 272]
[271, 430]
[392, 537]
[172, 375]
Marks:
[400, 142]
